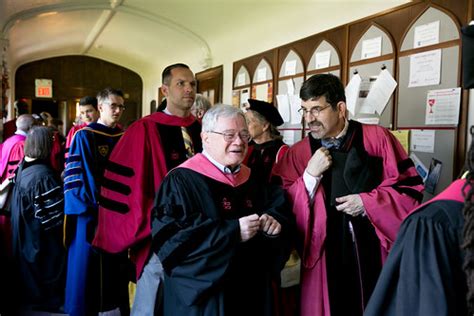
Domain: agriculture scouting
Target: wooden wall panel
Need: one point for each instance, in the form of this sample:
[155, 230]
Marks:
[76, 76]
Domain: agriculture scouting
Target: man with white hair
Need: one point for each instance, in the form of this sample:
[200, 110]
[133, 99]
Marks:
[220, 236]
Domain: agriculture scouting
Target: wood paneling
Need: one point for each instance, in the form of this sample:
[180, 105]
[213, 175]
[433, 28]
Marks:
[76, 76]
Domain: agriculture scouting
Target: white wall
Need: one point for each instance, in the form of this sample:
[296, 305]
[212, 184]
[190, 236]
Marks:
[257, 38]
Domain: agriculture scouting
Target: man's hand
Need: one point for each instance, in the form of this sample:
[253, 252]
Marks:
[350, 204]
[269, 225]
[249, 226]
[319, 162]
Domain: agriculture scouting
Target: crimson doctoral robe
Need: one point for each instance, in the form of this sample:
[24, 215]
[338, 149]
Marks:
[150, 147]
[398, 192]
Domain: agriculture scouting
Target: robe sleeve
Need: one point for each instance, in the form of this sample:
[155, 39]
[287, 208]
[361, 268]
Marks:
[400, 189]
[195, 250]
[310, 215]
[423, 274]
[80, 189]
[16, 156]
[132, 177]
[49, 203]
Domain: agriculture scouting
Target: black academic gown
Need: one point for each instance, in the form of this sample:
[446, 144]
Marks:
[37, 218]
[196, 235]
[423, 274]
[261, 158]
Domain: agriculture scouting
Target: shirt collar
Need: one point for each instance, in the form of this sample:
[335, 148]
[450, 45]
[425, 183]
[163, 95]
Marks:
[344, 130]
[20, 132]
[221, 167]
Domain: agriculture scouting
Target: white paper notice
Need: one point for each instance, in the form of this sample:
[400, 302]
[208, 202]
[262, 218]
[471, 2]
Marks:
[261, 92]
[426, 34]
[290, 67]
[261, 74]
[290, 86]
[422, 140]
[244, 96]
[283, 107]
[381, 91]
[352, 93]
[240, 79]
[371, 48]
[323, 59]
[442, 106]
[365, 87]
[425, 69]
[295, 105]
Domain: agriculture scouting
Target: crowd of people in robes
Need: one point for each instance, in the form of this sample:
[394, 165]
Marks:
[208, 212]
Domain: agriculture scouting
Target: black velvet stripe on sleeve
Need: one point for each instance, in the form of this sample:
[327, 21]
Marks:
[410, 192]
[119, 169]
[13, 163]
[71, 185]
[404, 165]
[72, 172]
[116, 186]
[73, 158]
[410, 181]
[114, 206]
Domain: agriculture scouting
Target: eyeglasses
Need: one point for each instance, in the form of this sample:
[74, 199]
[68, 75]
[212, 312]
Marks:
[315, 111]
[230, 137]
[115, 106]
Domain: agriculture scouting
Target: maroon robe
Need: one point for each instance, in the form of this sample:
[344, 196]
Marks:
[12, 154]
[136, 168]
[386, 206]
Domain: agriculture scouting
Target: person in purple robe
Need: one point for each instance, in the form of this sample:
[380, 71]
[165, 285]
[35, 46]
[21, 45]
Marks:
[351, 185]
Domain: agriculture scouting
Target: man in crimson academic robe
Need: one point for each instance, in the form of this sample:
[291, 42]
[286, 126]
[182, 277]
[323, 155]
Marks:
[351, 185]
[220, 235]
[150, 148]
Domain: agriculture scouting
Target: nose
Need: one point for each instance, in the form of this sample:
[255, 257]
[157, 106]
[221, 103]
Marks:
[188, 87]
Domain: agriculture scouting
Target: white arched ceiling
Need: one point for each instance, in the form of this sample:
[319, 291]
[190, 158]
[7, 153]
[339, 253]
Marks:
[146, 35]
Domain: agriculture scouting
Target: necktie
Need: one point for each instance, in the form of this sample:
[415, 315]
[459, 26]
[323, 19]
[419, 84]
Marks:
[331, 142]
[188, 142]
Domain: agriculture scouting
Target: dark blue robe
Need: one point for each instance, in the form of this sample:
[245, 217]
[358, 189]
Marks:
[88, 155]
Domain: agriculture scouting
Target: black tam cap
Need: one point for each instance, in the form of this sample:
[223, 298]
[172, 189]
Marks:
[267, 110]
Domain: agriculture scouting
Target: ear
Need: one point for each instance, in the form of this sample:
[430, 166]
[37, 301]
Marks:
[205, 138]
[342, 109]
[100, 107]
[164, 89]
[266, 127]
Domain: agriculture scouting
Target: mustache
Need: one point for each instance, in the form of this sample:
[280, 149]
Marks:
[315, 123]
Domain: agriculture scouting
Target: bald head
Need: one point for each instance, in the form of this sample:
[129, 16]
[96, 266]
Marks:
[24, 122]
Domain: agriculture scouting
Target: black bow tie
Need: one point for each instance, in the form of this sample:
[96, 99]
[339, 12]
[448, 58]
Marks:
[331, 142]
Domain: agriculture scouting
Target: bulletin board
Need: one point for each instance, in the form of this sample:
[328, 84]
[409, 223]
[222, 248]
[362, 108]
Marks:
[404, 32]
[241, 90]
[290, 79]
[426, 65]
[368, 62]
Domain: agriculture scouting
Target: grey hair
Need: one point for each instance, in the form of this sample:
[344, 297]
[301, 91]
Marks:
[201, 103]
[209, 121]
[24, 122]
[274, 133]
